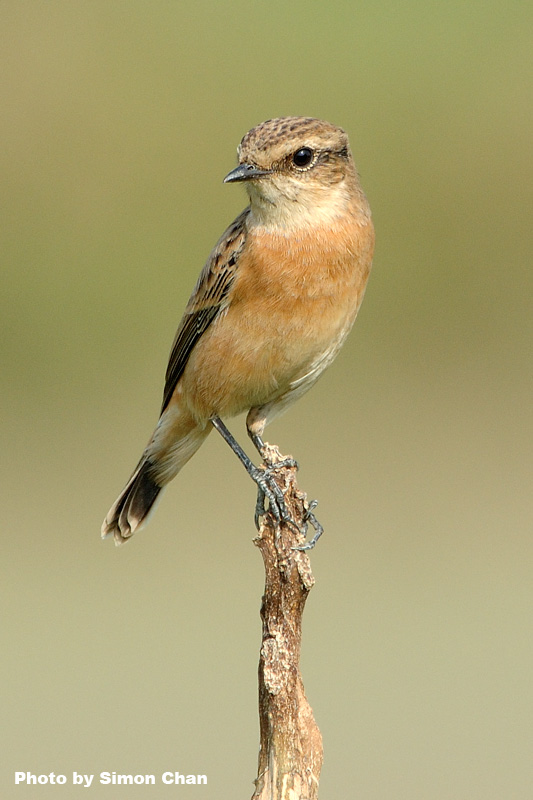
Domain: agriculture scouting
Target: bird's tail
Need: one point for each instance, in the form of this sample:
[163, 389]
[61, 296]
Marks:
[175, 440]
[133, 505]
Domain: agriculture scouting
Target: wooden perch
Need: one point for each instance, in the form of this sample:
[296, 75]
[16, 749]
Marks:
[290, 754]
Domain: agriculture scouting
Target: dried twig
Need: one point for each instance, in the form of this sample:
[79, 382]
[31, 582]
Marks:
[290, 755]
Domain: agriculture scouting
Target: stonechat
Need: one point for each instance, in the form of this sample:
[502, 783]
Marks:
[270, 310]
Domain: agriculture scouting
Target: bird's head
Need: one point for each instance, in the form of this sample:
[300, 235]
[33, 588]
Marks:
[295, 168]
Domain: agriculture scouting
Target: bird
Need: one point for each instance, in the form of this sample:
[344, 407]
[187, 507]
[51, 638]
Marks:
[271, 308]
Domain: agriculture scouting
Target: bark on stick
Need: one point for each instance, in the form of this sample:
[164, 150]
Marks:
[290, 754]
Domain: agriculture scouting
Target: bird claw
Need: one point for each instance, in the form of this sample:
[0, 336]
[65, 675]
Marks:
[267, 486]
[319, 530]
[291, 463]
[268, 489]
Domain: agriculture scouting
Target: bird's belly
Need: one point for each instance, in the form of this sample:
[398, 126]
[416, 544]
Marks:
[247, 359]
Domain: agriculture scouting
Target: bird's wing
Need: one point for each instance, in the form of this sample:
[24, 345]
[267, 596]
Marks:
[209, 298]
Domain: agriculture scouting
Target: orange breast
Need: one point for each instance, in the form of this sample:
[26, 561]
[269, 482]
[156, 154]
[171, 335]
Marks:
[293, 297]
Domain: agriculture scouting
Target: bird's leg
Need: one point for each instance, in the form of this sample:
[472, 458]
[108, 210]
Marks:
[266, 485]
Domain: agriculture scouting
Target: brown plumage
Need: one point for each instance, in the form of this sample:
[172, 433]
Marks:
[272, 306]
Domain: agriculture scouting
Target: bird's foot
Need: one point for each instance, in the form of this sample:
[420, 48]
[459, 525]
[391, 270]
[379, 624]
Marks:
[319, 530]
[268, 489]
[273, 459]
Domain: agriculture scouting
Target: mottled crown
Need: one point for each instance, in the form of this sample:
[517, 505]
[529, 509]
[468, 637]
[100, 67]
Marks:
[271, 140]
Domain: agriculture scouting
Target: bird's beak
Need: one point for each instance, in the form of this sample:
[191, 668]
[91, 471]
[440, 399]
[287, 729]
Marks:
[245, 172]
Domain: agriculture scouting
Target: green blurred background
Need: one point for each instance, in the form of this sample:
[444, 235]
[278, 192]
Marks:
[119, 121]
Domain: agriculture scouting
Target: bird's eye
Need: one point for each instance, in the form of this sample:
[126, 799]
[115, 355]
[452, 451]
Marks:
[303, 157]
